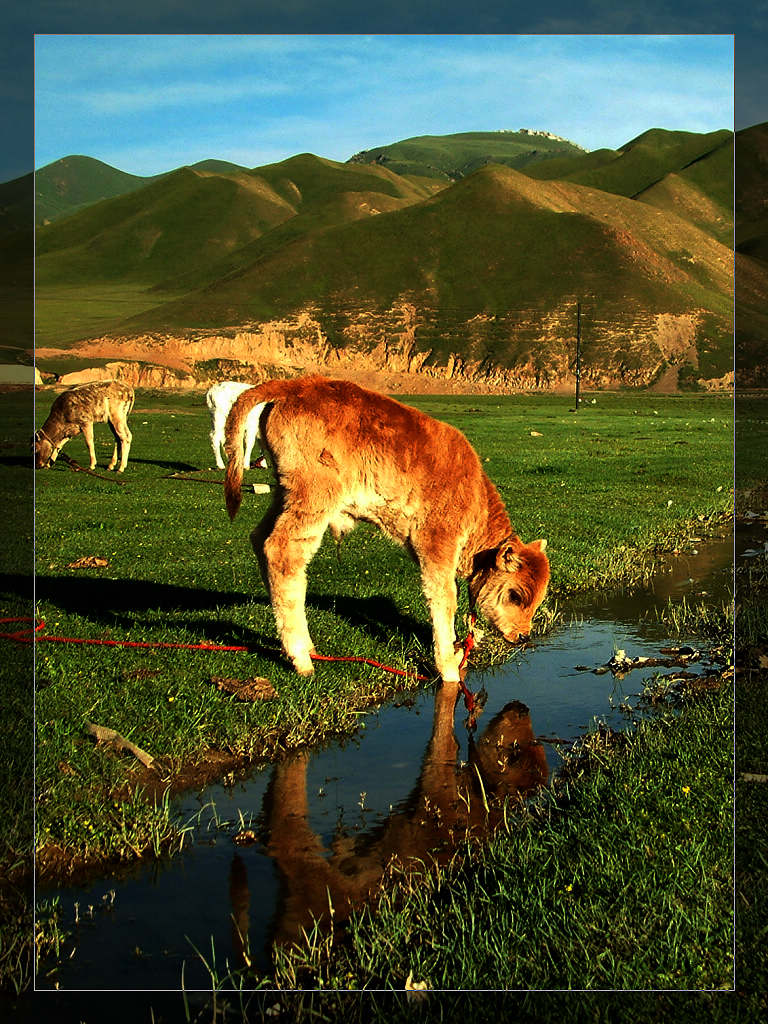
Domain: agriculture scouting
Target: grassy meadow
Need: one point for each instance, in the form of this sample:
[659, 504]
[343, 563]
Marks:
[609, 487]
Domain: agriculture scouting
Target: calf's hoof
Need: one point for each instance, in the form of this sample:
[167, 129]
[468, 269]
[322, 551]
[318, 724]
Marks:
[302, 663]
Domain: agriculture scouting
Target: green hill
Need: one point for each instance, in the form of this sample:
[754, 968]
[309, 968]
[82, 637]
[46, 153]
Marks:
[497, 248]
[452, 157]
[491, 265]
[751, 206]
[74, 182]
[182, 220]
[16, 268]
[640, 163]
[751, 232]
[702, 192]
[181, 229]
[16, 205]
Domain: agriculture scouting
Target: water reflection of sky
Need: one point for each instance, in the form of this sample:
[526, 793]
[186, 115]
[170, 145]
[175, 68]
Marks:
[361, 795]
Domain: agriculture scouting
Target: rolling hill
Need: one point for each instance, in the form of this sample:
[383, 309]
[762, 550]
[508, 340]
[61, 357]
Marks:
[452, 157]
[312, 262]
[74, 182]
[751, 233]
[751, 205]
[687, 174]
[180, 229]
[638, 164]
[68, 184]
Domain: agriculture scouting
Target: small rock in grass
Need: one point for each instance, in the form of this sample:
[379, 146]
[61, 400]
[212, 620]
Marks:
[89, 562]
[253, 689]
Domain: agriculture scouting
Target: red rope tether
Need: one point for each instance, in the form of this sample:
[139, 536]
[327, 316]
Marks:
[26, 636]
[35, 634]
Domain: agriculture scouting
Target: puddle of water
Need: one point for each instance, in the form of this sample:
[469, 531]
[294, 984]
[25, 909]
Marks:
[329, 820]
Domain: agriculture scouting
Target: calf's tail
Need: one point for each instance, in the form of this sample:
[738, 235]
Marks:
[233, 446]
[234, 430]
[270, 391]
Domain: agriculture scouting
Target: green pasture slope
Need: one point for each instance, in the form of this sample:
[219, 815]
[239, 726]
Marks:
[608, 487]
[196, 250]
[454, 156]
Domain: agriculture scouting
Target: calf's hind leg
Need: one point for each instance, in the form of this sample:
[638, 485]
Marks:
[217, 442]
[88, 435]
[123, 438]
[285, 542]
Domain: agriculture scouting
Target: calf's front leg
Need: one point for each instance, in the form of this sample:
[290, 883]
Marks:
[440, 592]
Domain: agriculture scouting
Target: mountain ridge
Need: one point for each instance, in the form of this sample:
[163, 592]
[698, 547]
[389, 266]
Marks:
[490, 267]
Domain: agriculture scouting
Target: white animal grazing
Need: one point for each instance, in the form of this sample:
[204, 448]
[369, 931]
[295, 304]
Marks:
[219, 398]
[75, 411]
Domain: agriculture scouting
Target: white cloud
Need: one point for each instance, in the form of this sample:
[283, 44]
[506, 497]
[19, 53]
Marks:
[180, 94]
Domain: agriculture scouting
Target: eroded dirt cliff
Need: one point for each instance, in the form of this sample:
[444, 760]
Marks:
[409, 349]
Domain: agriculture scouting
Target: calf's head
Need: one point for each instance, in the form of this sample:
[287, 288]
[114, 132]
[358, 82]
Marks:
[509, 585]
[43, 451]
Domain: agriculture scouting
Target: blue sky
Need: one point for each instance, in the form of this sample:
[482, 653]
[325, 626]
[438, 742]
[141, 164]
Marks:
[149, 103]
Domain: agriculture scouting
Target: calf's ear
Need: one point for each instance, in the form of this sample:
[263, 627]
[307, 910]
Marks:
[541, 545]
[507, 558]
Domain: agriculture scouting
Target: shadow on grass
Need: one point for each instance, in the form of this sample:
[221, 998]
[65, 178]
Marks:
[379, 617]
[27, 462]
[117, 602]
[16, 461]
[172, 467]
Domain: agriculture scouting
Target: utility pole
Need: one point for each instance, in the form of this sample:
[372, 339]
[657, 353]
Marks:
[578, 354]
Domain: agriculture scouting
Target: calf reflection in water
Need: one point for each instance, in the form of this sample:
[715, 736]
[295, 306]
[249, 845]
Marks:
[450, 802]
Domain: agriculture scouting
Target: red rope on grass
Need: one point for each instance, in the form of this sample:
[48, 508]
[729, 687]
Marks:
[367, 661]
[25, 636]
[34, 635]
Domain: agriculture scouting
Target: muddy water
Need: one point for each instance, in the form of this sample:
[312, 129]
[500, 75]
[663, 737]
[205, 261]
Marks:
[268, 851]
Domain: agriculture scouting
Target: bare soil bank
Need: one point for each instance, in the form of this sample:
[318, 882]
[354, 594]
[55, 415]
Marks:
[381, 352]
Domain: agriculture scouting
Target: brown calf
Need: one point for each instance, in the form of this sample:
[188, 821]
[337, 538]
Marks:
[344, 454]
[76, 410]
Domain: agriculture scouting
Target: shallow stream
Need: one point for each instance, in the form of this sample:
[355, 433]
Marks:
[267, 851]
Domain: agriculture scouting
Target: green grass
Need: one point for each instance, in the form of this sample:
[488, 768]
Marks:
[16, 685]
[597, 484]
[751, 440]
[64, 317]
[608, 488]
[752, 764]
[621, 879]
